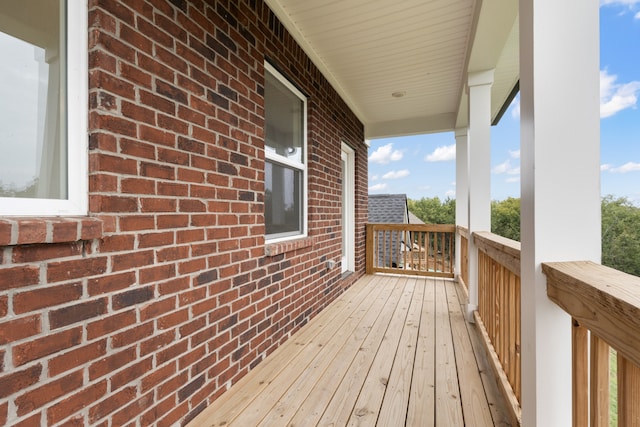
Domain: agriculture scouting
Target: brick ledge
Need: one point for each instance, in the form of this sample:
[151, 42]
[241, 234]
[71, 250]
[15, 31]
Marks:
[28, 230]
[273, 249]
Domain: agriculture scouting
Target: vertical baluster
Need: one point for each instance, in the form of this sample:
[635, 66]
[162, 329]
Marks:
[628, 393]
[599, 374]
[580, 374]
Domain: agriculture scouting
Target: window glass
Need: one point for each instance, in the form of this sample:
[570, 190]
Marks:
[285, 163]
[283, 187]
[284, 118]
[33, 163]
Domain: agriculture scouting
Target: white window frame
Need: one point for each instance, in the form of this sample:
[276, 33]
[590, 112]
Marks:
[273, 157]
[347, 155]
[76, 85]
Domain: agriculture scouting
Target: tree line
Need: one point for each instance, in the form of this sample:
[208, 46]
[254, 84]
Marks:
[620, 225]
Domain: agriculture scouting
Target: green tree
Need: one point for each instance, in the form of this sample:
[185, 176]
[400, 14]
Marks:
[433, 210]
[621, 235]
[620, 226]
[505, 218]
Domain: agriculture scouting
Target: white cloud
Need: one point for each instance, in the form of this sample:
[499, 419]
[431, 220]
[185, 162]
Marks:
[512, 179]
[385, 154]
[442, 154]
[450, 193]
[373, 178]
[637, 16]
[502, 167]
[605, 167]
[514, 154]
[378, 187]
[627, 167]
[506, 168]
[615, 97]
[396, 174]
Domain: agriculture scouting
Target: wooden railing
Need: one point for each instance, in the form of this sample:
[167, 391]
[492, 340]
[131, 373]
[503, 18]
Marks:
[498, 314]
[464, 257]
[418, 249]
[605, 306]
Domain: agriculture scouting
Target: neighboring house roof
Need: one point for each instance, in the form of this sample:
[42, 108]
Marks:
[388, 208]
[414, 219]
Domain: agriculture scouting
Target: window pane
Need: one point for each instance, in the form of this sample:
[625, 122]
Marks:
[283, 201]
[284, 120]
[32, 139]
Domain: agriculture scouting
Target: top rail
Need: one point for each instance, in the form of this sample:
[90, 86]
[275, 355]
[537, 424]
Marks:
[417, 249]
[604, 300]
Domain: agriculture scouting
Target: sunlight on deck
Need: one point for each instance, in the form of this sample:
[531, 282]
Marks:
[389, 351]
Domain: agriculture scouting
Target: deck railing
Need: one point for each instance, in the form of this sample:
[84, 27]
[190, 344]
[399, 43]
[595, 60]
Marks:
[498, 314]
[605, 306]
[418, 249]
[464, 257]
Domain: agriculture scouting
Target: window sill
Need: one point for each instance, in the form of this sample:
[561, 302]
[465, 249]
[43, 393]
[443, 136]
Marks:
[27, 231]
[274, 249]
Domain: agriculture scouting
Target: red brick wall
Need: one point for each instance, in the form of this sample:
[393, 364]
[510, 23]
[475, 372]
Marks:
[148, 309]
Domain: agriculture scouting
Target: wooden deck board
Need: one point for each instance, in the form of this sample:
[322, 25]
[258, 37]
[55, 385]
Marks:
[390, 351]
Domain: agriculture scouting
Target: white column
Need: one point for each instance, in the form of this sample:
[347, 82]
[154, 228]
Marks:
[462, 190]
[479, 171]
[560, 186]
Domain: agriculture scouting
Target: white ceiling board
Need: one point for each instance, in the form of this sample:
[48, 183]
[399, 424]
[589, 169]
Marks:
[369, 49]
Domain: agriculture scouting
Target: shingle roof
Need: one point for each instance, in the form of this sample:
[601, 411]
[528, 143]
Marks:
[388, 208]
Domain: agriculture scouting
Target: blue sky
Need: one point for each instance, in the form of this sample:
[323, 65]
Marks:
[424, 165]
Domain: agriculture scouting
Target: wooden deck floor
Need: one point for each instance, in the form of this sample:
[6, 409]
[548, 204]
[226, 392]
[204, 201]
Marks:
[390, 351]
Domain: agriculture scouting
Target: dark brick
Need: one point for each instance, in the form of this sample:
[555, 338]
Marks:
[241, 280]
[133, 297]
[218, 99]
[247, 196]
[231, 20]
[227, 168]
[171, 92]
[228, 92]
[239, 159]
[207, 277]
[226, 41]
[190, 388]
[180, 4]
[77, 313]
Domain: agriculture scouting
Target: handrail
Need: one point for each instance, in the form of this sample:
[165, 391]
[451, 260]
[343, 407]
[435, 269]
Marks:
[605, 304]
[604, 300]
[503, 250]
[417, 249]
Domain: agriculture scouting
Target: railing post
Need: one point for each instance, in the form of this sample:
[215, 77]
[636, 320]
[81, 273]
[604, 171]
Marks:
[462, 192]
[369, 249]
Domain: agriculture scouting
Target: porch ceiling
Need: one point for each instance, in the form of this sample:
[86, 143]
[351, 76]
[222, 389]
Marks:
[370, 49]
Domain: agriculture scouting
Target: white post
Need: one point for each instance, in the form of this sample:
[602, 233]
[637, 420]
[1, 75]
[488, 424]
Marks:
[560, 186]
[479, 172]
[462, 190]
